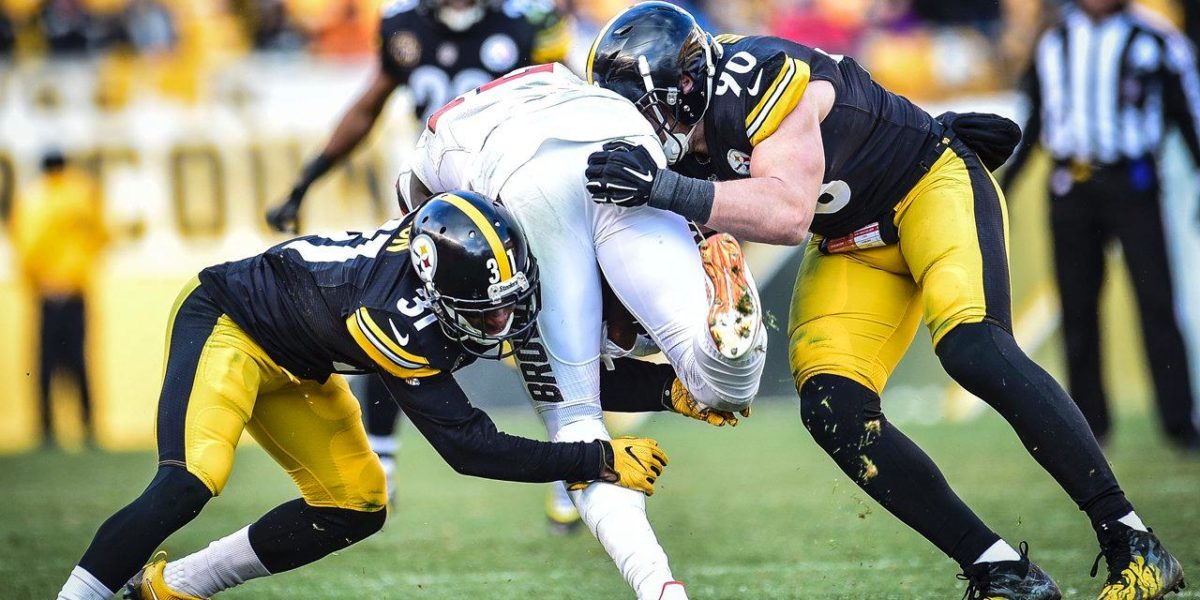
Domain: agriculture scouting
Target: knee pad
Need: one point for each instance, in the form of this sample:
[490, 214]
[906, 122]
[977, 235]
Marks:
[974, 352]
[175, 491]
[835, 410]
[347, 524]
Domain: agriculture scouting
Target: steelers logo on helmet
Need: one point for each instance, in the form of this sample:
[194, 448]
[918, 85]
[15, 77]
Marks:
[424, 257]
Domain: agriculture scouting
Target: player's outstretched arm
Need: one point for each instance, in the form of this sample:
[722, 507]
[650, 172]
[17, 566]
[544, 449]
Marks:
[467, 439]
[356, 123]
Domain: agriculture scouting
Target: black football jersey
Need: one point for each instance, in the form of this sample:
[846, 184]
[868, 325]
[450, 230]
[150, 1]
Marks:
[438, 64]
[344, 304]
[873, 139]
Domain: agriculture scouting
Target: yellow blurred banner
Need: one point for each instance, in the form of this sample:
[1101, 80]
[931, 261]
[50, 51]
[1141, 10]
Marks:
[194, 180]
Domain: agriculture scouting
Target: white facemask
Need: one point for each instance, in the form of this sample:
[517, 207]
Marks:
[677, 145]
[460, 19]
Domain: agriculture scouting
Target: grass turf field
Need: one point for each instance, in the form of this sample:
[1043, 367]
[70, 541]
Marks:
[758, 512]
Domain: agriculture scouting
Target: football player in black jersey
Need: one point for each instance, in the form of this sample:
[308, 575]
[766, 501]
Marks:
[258, 344]
[908, 225]
[438, 49]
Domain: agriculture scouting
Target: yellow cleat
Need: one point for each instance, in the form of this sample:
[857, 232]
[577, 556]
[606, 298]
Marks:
[682, 402]
[149, 583]
[561, 515]
[1139, 567]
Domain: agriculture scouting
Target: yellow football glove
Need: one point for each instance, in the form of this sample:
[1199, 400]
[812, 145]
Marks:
[633, 463]
[682, 402]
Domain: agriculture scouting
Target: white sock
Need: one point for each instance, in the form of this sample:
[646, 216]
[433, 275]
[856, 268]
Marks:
[998, 552]
[1133, 521]
[82, 585]
[617, 517]
[383, 444]
[225, 563]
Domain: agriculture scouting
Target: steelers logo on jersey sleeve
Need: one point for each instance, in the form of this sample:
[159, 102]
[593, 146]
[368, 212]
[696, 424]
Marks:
[405, 49]
[739, 161]
[499, 53]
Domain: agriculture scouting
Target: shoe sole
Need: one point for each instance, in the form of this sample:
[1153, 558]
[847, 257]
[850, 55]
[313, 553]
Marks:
[734, 310]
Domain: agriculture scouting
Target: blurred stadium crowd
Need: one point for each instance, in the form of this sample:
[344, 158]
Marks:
[922, 48]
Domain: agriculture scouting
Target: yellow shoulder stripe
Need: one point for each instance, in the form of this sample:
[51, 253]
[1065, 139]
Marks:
[729, 38]
[552, 44]
[385, 352]
[778, 101]
[489, 233]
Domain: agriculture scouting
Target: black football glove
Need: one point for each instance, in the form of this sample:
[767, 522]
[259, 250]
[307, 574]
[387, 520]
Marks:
[284, 217]
[622, 174]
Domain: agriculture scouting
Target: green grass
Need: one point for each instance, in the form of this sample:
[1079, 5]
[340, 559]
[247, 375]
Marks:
[757, 512]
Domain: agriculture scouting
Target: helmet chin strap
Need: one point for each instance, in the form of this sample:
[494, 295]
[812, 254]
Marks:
[677, 144]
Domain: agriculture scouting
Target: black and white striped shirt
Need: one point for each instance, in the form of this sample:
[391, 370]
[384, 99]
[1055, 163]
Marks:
[1103, 92]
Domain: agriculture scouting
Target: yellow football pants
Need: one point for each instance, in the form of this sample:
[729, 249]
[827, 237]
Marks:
[218, 382]
[855, 314]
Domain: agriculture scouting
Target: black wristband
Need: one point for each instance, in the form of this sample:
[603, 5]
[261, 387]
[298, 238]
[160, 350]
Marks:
[314, 169]
[687, 196]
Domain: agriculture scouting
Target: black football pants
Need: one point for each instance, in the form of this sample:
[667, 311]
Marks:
[1118, 203]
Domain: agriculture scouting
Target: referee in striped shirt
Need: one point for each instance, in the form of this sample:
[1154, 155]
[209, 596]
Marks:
[1105, 84]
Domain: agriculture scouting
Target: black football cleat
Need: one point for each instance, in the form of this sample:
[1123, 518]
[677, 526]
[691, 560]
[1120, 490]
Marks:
[1009, 580]
[1139, 567]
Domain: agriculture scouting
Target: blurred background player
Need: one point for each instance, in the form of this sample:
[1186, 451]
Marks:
[437, 49]
[1106, 84]
[60, 235]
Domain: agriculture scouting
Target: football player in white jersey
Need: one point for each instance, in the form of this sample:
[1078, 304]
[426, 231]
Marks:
[525, 139]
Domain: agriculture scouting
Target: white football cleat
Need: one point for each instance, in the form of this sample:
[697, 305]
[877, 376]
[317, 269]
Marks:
[673, 590]
[734, 310]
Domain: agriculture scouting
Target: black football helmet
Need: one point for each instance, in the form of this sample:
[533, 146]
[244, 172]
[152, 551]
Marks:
[655, 55]
[480, 279]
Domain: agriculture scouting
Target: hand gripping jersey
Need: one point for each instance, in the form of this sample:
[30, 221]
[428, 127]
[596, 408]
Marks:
[341, 304]
[437, 64]
[478, 140]
[873, 139]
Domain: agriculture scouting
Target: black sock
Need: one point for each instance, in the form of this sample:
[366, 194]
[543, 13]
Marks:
[127, 539]
[986, 360]
[295, 534]
[844, 417]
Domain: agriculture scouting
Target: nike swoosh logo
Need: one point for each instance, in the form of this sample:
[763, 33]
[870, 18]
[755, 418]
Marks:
[647, 176]
[634, 457]
[753, 90]
[403, 339]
